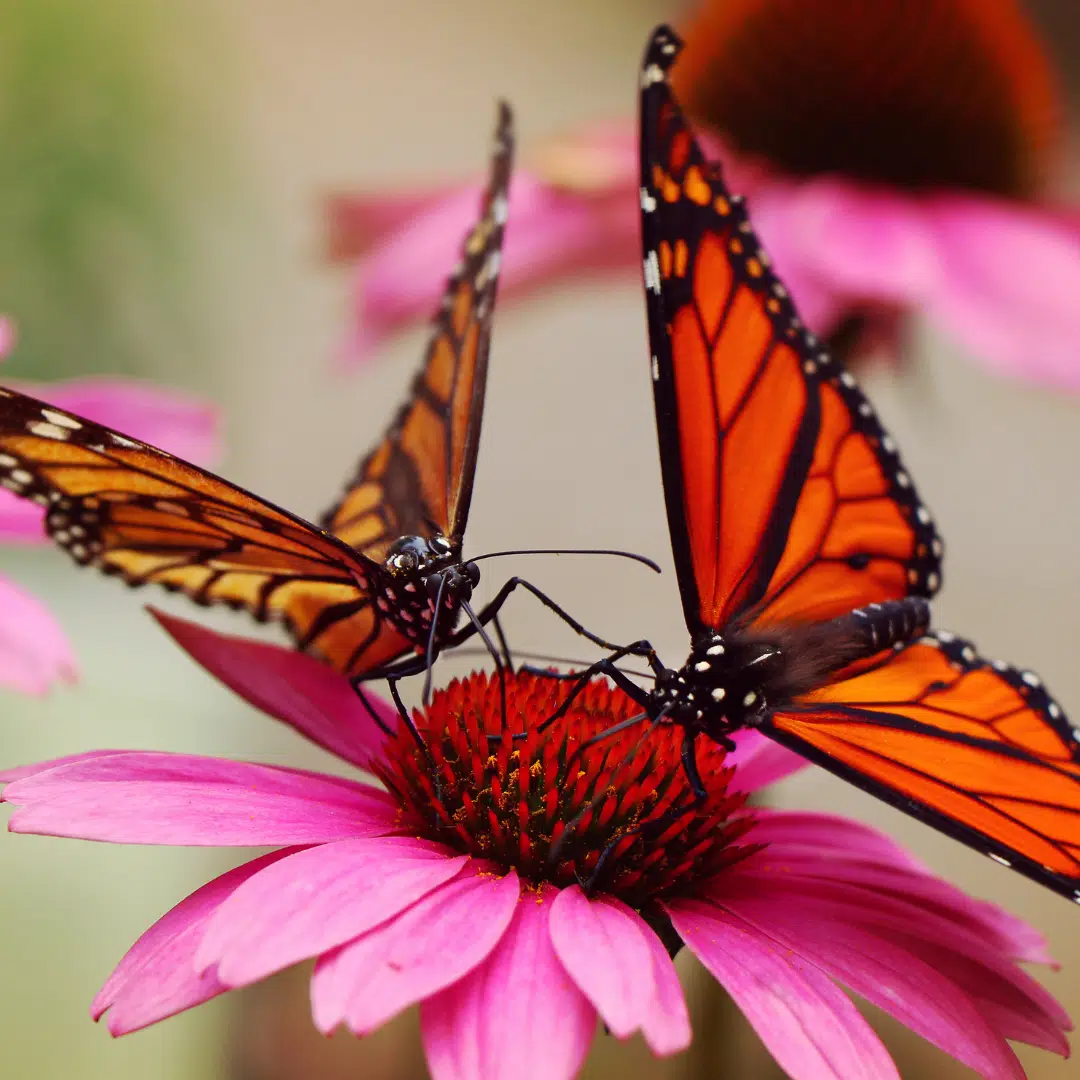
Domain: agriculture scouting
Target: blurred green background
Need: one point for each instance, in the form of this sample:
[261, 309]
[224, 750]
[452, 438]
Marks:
[162, 168]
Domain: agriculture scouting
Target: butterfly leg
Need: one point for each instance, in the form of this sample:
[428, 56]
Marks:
[392, 674]
[689, 762]
[500, 667]
[607, 667]
[371, 711]
[508, 657]
[492, 609]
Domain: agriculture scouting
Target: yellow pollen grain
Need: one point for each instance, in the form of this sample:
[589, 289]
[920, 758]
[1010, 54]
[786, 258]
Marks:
[682, 257]
[697, 191]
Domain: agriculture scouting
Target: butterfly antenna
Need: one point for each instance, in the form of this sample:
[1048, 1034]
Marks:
[643, 559]
[547, 658]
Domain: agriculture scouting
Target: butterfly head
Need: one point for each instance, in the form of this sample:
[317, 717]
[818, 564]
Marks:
[417, 557]
[432, 566]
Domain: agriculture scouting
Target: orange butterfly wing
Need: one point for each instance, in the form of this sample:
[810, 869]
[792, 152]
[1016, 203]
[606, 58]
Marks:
[979, 750]
[137, 512]
[786, 499]
[419, 478]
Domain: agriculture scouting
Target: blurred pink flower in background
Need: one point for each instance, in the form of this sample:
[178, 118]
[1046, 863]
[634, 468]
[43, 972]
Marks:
[465, 894]
[34, 651]
[891, 164]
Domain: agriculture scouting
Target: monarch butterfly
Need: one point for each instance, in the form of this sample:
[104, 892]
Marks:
[805, 559]
[384, 579]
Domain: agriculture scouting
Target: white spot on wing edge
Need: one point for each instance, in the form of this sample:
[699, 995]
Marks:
[999, 858]
[655, 369]
[652, 272]
[61, 419]
[648, 203]
[652, 74]
[47, 431]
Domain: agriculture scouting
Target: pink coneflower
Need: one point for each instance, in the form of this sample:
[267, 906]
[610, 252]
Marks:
[34, 651]
[894, 159]
[518, 889]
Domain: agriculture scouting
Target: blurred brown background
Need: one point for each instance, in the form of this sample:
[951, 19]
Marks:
[267, 105]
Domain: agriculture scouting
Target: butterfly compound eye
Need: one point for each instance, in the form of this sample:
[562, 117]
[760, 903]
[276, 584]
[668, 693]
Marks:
[404, 562]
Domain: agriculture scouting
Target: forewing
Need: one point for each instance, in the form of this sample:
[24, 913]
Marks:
[137, 512]
[979, 750]
[419, 479]
[786, 499]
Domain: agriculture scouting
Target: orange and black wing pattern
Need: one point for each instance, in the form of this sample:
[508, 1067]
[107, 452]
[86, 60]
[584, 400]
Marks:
[418, 480]
[979, 750]
[786, 499]
[128, 509]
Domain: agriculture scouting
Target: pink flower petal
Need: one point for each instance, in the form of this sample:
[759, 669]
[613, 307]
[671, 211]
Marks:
[923, 913]
[1014, 1004]
[318, 899]
[837, 849]
[1009, 287]
[157, 798]
[808, 1024]
[357, 223]
[518, 1016]
[157, 976]
[863, 241]
[604, 946]
[21, 521]
[892, 977]
[759, 762]
[829, 835]
[34, 653]
[552, 233]
[667, 1023]
[21, 771]
[300, 691]
[437, 941]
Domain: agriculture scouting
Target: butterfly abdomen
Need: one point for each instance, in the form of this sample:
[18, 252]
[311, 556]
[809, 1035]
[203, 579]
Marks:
[813, 653]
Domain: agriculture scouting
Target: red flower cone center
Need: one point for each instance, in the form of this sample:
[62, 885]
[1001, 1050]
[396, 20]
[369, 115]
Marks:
[942, 93]
[616, 815]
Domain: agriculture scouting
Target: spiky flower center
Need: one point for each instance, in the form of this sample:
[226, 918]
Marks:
[616, 815]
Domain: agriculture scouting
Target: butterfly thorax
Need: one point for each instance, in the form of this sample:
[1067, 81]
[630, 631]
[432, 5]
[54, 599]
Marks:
[732, 680]
[426, 582]
[722, 686]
